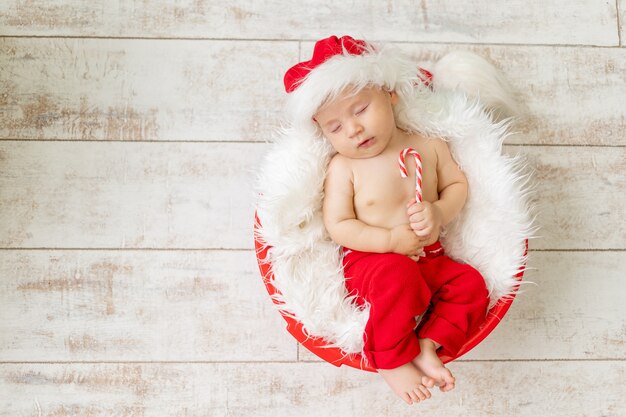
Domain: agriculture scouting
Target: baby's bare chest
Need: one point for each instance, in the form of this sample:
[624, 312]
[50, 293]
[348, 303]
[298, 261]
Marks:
[378, 184]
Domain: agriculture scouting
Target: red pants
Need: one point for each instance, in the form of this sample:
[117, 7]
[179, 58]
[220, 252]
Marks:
[399, 289]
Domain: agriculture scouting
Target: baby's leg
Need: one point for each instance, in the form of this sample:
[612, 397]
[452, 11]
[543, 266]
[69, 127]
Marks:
[393, 286]
[408, 382]
[459, 304]
[429, 363]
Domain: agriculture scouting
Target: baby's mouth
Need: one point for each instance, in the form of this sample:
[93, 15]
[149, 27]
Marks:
[365, 143]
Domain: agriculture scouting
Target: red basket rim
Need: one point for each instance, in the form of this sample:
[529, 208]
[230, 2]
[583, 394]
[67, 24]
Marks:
[336, 356]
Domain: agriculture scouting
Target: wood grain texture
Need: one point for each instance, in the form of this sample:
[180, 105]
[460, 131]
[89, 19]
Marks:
[129, 137]
[200, 195]
[204, 90]
[575, 310]
[578, 199]
[140, 89]
[127, 195]
[576, 22]
[137, 306]
[521, 389]
[211, 306]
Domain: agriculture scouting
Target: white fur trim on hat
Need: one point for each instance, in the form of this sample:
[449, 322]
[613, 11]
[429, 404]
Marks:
[385, 67]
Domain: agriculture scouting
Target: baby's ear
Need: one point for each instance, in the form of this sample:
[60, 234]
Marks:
[394, 97]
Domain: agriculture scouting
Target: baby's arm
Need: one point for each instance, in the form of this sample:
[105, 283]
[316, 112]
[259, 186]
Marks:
[345, 229]
[427, 218]
[451, 184]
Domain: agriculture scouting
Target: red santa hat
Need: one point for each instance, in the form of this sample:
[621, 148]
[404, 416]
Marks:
[338, 63]
[328, 48]
[324, 49]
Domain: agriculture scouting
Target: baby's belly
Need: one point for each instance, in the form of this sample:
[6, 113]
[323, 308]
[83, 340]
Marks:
[387, 215]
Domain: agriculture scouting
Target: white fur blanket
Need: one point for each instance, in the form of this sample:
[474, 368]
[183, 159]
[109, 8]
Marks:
[489, 233]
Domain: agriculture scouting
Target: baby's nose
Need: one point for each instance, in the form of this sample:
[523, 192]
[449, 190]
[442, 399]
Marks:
[355, 128]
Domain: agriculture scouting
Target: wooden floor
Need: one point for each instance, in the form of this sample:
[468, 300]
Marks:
[129, 136]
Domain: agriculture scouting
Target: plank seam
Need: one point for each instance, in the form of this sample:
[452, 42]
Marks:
[130, 249]
[399, 42]
[258, 142]
[132, 141]
[165, 249]
[289, 362]
[619, 23]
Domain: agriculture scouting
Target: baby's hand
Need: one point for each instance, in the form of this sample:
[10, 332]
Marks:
[425, 219]
[405, 242]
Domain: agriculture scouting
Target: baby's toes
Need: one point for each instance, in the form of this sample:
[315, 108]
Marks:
[424, 391]
[407, 398]
[445, 380]
[428, 381]
[447, 387]
[448, 377]
[415, 398]
[420, 392]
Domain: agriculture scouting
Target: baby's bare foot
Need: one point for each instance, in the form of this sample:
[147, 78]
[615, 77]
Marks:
[408, 382]
[429, 363]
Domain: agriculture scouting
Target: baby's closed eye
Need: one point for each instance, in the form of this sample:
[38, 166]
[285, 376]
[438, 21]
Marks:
[362, 109]
[335, 129]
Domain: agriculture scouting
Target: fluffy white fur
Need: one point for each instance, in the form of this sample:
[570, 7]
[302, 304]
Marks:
[489, 233]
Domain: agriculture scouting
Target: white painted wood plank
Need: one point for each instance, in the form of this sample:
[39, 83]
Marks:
[127, 195]
[200, 195]
[575, 22]
[137, 306]
[189, 306]
[579, 196]
[141, 89]
[574, 310]
[204, 90]
[521, 389]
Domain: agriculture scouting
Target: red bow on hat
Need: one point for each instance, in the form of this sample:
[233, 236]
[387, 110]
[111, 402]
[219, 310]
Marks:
[324, 49]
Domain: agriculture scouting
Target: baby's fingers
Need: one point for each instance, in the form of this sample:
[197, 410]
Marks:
[415, 207]
[425, 238]
[423, 233]
[419, 223]
[422, 229]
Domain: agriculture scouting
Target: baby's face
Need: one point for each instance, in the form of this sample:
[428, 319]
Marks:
[359, 125]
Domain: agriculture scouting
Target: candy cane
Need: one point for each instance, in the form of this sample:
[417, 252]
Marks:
[418, 170]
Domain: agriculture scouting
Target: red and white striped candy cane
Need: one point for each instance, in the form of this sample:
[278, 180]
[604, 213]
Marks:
[418, 170]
